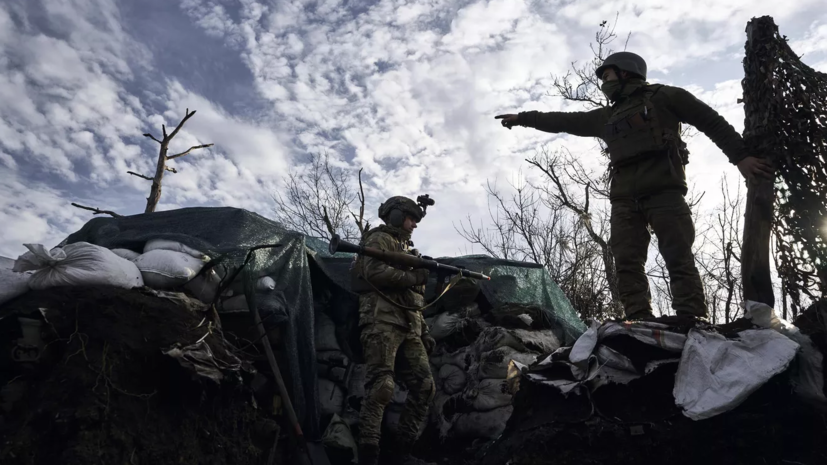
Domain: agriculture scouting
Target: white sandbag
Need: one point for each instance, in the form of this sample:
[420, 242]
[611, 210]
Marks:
[494, 363]
[462, 358]
[452, 378]
[543, 341]
[488, 394]
[126, 254]
[808, 375]
[163, 244]
[331, 397]
[716, 374]
[205, 286]
[265, 284]
[495, 337]
[445, 324]
[12, 284]
[338, 439]
[326, 333]
[166, 269]
[486, 425]
[78, 264]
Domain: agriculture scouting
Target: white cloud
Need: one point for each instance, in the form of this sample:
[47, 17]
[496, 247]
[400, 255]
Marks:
[406, 89]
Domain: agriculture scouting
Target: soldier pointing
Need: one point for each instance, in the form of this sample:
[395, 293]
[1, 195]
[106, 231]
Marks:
[648, 183]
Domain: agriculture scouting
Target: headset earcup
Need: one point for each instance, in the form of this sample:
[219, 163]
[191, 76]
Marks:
[396, 218]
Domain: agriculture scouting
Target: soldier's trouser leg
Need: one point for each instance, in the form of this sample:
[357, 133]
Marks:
[380, 343]
[671, 220]
[414, 371]
[630, 243]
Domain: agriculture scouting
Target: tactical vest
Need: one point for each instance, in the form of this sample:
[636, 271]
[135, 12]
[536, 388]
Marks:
[635, 131]
[358, 284]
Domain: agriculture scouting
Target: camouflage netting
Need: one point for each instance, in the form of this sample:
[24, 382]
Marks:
[786, 108]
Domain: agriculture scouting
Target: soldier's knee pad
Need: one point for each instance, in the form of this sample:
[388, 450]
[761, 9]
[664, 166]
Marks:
[382, 389]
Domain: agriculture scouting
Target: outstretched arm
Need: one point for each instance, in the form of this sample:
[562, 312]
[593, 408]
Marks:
[584, 124]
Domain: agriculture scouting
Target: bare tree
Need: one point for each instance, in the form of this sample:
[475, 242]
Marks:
[531, 225]
[318, 202]
[161, 166]
[718, 254]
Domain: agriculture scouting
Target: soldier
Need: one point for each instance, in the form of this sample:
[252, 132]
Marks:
[394, 334]
[642, 131]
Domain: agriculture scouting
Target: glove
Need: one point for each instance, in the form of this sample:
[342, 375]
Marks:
[428, 342]
[421, 275]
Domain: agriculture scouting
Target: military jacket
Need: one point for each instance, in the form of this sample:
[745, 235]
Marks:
[382, 286]
[635, 176]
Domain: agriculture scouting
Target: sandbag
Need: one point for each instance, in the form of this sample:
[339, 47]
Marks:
[400, 394]
[543, 341]
[488, 394]
[164, 244]
[272, 307]
[495, 337]
[126, 254]
[205, 286]
[462, 358]
[12, 284]
[338, 441]
[452, 379]
[331, 397]
[326, 333]
[485, 425]
[167, 269]
[494, 364]
[332, 357]
[445, 324]
[78, 264]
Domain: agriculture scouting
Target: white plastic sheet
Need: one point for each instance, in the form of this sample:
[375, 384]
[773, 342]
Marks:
[78, 264]
[717, 374]
[808, 377]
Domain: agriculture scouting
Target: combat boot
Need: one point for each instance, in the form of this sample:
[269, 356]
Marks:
[402, 455]
[368, 454]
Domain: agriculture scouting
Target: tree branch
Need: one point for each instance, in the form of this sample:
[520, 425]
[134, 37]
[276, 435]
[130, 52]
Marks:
[172, 170]
[97, 211]
[189, 149]
[181, 124]
[139, 175]
[151, 137]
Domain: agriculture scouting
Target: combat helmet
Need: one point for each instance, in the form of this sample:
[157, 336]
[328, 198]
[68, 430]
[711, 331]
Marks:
[394, 210]
[624, 61]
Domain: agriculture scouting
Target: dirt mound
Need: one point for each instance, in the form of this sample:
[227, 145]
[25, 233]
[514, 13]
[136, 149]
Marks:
[103, 391]
[771, 427]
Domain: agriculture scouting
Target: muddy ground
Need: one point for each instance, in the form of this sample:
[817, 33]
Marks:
[103, 392]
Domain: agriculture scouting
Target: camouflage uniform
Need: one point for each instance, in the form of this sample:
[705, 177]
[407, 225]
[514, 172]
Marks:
[648, 182]
[391, 338]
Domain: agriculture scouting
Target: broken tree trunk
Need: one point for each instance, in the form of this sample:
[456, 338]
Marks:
[155, 190]
[755, 253]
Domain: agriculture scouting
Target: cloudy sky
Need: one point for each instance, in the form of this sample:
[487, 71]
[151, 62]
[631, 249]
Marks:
[405, 89]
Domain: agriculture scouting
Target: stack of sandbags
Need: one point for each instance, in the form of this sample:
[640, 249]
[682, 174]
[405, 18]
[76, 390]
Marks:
[473, 399]
[332, 366]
